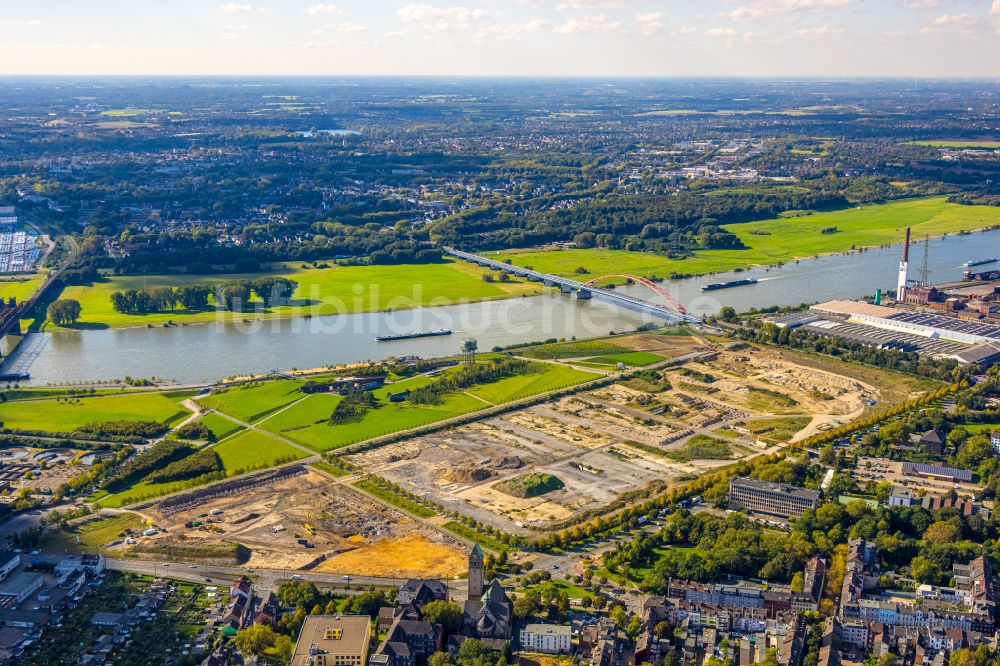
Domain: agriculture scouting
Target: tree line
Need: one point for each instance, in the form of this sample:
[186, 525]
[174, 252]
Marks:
[234, 295]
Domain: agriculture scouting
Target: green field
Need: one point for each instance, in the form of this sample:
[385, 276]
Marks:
[299, 423]
[518, 387]
[219, 426]
[778, 430]
[254, 450]
[702, 447]
[20, 287]
[326, 291]
[790, 238]
[253, 401]
[68, 415]
[957, 144]
[306, 422]
[92, 534]
[571, 349]
[126, 113]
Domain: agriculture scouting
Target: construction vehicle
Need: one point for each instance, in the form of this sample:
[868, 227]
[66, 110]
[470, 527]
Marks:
[310, 530]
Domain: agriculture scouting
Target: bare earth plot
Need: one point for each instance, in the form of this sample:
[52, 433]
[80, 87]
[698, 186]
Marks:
[666, 427]
[355, 535]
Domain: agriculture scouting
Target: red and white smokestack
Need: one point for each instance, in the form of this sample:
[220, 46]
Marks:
[903, 266]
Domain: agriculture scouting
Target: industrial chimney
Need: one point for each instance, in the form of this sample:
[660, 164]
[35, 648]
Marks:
[903, 265]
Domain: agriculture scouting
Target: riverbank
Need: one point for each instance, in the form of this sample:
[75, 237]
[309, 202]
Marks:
[348, 290]
[778, 241]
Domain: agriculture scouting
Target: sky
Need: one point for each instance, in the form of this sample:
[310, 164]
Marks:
[795, 38]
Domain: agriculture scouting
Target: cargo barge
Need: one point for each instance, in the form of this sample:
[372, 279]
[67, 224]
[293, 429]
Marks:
[410, 336]
[727, 285]
[980, 262]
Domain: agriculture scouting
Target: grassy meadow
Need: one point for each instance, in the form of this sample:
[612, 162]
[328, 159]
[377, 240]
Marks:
[253, 401]
[321, 291]
[307, 422]
[67, 415]
[20, 287]
[786, 239]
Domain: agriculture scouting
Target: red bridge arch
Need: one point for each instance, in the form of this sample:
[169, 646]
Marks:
[660, 291]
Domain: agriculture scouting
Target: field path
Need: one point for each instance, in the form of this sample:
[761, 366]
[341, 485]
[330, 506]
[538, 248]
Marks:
[313, 456]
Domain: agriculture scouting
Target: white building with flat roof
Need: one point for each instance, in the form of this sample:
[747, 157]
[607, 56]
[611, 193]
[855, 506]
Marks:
[547, 638]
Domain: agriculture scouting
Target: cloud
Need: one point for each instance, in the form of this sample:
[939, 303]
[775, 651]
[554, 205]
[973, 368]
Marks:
[650, 23]
[502, 32]
[319, 9]
[687, 30]
[236, 8]
[589, 5]
[29, 22]
[995, 9]
[440, 19]
[350, 27]
[233, 32]
[957, 23]
[593, 25]
[788, 9]
[921, 4]
[818, 31]
[720, 32]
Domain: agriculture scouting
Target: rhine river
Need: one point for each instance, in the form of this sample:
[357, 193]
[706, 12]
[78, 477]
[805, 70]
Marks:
[205, 353]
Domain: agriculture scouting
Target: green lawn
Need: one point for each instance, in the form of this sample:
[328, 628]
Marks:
[92, 535]
[299, 422]
[306, 422]
[68, 415]
[326, 291]
[550, 378]
[219, 426]
[254, 450]
[20, 287]
[253, 401]
[788, 239]
[571, 349]
[983, 428]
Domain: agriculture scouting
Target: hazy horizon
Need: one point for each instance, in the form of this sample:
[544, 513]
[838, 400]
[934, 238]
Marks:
[927, 39]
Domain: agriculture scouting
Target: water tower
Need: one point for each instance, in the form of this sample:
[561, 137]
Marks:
[469, 348]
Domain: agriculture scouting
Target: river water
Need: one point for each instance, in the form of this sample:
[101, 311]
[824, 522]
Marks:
[204, 353]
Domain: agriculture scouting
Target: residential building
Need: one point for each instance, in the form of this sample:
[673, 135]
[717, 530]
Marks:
[995, 440]
[333, 640]
[418, 592]
[547, 638]
[771, 498]
[932, 442]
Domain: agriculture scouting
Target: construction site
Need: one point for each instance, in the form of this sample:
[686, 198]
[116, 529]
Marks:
[302, 520]
[661, 427]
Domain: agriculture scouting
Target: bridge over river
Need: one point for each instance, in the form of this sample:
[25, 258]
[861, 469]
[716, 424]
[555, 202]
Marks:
[670, 310]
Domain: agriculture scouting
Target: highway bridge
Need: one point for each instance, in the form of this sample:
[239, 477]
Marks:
[670, 310]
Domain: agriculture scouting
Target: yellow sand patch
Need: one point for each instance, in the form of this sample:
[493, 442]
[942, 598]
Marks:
[408, 557]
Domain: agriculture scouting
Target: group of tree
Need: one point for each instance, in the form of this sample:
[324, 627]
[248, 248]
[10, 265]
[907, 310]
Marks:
[234, 295]
[64, 311]
[469, 375]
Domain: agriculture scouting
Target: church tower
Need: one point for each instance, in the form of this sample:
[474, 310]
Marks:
[476, 573]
